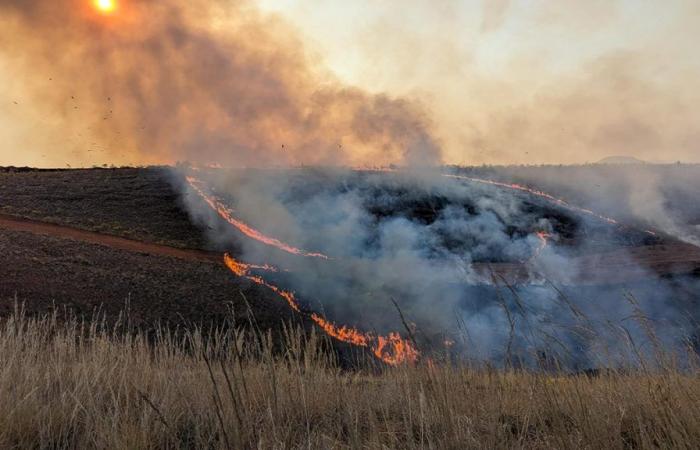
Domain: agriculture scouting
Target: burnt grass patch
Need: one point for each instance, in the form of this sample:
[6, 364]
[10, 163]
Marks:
[136, 203]
[45, 273]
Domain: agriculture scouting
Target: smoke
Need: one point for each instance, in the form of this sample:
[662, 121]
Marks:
[660, 197]
[430, 243]
[529, 82]
[504, 82]
[494, 13]
[209, 82]
[608, 108]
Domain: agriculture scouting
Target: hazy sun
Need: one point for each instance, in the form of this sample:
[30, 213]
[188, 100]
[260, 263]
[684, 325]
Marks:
[106, 6]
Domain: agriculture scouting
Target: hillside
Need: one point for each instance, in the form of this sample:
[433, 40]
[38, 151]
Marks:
[103, 240]
[45, 270]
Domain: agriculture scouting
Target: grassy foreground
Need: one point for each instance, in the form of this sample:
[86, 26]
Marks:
[78, 385]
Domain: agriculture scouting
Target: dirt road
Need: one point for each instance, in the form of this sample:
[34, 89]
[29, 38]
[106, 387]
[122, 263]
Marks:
[600, 268]
[64, 232]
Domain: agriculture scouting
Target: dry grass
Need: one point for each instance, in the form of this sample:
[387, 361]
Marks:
[78, 385]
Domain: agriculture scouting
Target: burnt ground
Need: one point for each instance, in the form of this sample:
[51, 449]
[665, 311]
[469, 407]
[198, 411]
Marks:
[136, 203]
[43, 270]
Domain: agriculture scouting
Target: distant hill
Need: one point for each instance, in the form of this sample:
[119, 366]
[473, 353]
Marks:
[617, 159]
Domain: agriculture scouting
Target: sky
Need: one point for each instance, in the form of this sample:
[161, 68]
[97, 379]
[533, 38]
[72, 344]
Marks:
[497, 82]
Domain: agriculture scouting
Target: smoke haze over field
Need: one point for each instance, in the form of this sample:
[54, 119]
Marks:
[522, 82]
[347, 83]
[211, 82]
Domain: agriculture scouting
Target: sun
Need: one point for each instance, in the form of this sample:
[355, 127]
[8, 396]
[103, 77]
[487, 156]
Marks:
[105, 6]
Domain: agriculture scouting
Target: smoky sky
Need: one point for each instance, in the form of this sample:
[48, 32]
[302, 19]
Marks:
[529, 82]
[208, 82]
[221, 82]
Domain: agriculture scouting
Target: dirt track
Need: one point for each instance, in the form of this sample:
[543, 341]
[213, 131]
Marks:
[620, 266]
[59, 231]
[600, 268]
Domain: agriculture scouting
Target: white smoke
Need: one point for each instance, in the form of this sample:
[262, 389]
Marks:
[417, 241]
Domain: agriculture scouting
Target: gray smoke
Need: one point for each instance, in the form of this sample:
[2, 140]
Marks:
[419, 239]
[662, 197]
[206, 81]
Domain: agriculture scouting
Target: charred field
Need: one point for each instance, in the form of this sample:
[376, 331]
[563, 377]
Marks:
[543, 250]
[47, 270]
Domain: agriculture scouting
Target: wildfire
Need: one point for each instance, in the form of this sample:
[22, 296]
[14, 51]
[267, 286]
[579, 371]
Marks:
[243, 270]
[252, 233]
[520, 187]
[537, 193]
[395, 350]
[544, 240]
[342, 333]
[391, 349]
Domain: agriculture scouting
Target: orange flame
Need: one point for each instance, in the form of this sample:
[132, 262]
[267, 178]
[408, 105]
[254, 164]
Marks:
[226, 214]
[236, 267]
[395, 350]
[242, 270]
[535, 192]
[391, 349]
[342, 333]
[544, 240]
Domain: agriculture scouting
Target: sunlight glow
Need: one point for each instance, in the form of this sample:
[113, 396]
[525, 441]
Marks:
[106, 6]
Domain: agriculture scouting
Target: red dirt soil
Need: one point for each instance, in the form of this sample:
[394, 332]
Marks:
[601, 268]
[63, 232]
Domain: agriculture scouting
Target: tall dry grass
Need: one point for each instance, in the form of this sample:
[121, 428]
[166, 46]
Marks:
[74, 384]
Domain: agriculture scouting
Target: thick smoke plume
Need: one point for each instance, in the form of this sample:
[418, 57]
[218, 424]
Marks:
[509, 82]
[418, 241]
[207, 81]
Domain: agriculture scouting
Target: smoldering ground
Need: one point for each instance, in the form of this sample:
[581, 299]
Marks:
[415, 239]
[659, 196]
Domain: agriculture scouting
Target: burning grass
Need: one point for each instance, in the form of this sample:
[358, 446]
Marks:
[75, 384]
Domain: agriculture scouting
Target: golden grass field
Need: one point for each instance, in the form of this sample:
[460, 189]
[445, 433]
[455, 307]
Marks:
[80, 384]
